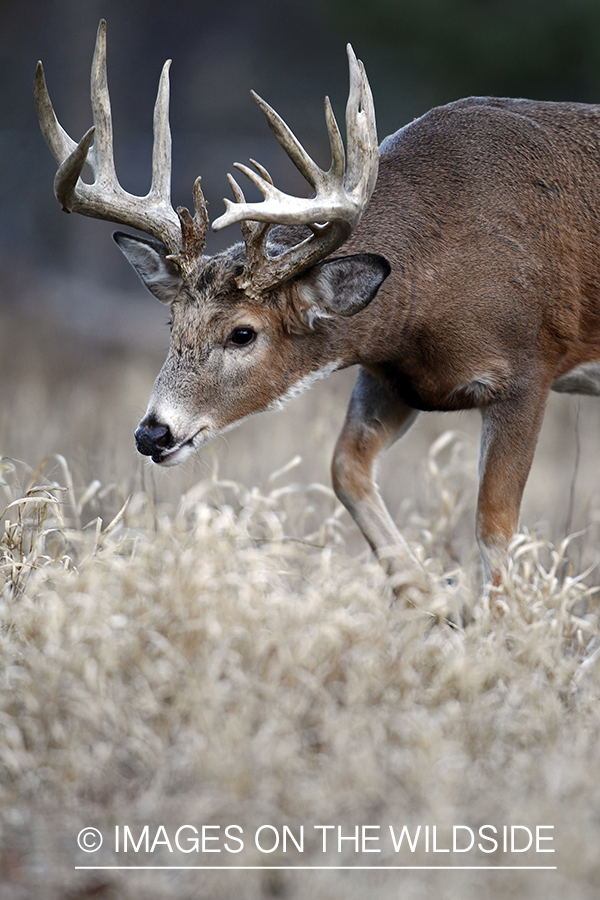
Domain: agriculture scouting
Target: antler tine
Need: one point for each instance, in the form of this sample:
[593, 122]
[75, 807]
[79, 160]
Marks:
[161, 150]
[248, 228]
[265, 185]
[261, 171]
[236, 189]
[59, 142]
[102, 157]
[361, 129]
[105, 198]
[290, 143]
[338, 156]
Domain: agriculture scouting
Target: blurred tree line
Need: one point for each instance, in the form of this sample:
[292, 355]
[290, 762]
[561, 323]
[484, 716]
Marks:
[543, 49]
[418, 53]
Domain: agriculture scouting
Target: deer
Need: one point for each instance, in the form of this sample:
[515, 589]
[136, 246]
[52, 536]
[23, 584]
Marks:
[457, 265]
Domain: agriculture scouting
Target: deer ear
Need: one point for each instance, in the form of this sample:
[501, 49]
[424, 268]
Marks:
[341, 287]
[149, 259]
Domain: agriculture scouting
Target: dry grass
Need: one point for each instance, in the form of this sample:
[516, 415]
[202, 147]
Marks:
[227, 660]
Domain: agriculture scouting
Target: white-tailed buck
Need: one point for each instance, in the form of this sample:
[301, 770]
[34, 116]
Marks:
[458, 265]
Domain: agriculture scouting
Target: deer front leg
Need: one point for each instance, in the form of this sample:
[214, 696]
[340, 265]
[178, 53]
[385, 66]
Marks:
[375, 419]
[508, 440]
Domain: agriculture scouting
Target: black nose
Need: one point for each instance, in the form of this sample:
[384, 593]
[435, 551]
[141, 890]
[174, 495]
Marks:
[152, 437]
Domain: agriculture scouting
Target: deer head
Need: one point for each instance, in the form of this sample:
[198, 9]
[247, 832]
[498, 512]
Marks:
[246, 324]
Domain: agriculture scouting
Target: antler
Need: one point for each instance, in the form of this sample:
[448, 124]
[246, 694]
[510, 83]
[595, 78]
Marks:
[105, 198]
[341, 194]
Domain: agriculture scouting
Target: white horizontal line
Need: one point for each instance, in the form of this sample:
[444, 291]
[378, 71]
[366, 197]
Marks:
[337, 868]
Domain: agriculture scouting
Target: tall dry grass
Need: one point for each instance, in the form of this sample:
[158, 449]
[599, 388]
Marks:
[230, 658]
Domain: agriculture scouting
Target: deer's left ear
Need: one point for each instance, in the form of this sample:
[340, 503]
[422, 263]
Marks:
[341, 287]
[149, 259]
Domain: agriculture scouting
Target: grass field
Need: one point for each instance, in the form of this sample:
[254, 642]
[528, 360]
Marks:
[215, 647]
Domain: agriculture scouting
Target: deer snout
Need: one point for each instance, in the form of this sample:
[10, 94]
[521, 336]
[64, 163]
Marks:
[152, 438]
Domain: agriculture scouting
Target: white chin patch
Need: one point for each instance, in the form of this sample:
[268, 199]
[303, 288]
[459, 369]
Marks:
[177, 456]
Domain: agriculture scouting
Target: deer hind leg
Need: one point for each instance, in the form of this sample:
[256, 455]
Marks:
[375, 419]
[508, 440]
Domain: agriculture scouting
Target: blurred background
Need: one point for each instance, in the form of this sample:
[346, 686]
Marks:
[81, 341]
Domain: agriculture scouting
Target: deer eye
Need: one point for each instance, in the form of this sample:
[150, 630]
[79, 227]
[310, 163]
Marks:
[240, 337]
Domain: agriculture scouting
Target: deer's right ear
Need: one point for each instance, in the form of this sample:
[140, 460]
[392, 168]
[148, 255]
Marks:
[149, 259]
